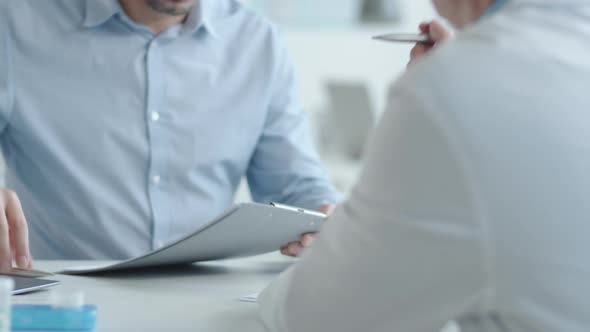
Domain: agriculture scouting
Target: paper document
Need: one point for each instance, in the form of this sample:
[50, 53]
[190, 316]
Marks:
[18, 272]
[244, 230]
[249, 298]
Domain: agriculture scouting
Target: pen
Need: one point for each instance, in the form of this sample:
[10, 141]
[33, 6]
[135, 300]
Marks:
[405, 38]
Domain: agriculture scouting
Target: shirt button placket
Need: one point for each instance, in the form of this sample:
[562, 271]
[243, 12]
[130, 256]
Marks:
[154, 104]
[155, 116]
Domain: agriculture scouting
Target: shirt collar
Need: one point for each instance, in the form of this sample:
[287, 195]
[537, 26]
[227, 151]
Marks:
[202, 16]
[495, 6]
[100, 11]
[500, 4]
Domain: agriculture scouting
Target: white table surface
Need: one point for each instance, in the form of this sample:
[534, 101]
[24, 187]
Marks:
[202, 297]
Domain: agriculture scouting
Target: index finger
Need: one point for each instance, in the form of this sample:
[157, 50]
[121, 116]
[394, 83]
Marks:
[5, 253]
[19, 231]
[424, 27]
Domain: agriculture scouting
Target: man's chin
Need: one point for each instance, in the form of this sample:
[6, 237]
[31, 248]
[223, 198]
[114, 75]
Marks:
[172, 7]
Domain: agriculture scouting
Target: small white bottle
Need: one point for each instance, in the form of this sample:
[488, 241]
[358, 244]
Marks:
[6, 287]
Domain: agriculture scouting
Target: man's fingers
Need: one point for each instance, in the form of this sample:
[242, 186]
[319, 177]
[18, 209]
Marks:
[327, 209]
[19, 232]
[436, 30]
[307, 239]
[293, 249]
[418, 52]
[439, 32]
[424, 27]
[5, 252]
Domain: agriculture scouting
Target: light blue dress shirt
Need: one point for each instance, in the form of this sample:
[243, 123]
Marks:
[118, 141]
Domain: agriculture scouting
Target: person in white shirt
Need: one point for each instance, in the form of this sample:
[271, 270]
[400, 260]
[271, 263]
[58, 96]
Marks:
[474, 202]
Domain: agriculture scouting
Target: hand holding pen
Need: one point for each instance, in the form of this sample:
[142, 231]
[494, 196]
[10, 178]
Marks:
[436, 32]
[431, 33]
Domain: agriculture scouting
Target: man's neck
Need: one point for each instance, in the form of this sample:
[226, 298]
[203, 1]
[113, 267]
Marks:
[141, 13]
[469, 13]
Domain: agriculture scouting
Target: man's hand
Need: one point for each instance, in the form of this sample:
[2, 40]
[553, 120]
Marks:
[14, 233]
[437, 32]
[293, 249]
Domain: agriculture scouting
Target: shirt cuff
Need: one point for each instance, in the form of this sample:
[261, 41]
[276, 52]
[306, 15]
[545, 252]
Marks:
[314, 202]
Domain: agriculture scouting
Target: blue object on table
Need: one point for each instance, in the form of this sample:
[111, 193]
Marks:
[33, 317]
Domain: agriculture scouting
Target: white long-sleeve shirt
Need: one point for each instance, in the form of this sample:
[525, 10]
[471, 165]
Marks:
[474, 202]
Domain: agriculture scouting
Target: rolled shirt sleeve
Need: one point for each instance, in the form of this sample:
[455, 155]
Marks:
[404, 253]
[285, 166]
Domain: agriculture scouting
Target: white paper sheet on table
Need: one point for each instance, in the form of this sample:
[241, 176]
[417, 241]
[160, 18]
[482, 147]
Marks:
[28, 273]
[252, 298]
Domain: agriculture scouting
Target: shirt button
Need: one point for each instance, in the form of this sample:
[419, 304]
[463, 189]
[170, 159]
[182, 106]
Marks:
[155, 116]
[156, 179]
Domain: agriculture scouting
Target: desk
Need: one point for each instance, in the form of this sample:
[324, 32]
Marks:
[201, 297]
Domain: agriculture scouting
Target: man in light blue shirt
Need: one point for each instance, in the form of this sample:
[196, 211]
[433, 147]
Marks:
[127, 124]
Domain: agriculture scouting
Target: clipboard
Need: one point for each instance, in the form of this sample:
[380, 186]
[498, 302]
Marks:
[244, 230]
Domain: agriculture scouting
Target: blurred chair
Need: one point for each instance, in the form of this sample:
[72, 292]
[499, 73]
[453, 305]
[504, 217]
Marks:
[382, 10]
[348, 121]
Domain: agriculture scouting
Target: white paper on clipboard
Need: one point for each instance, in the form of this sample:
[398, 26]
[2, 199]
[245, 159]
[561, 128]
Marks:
[244, 230]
